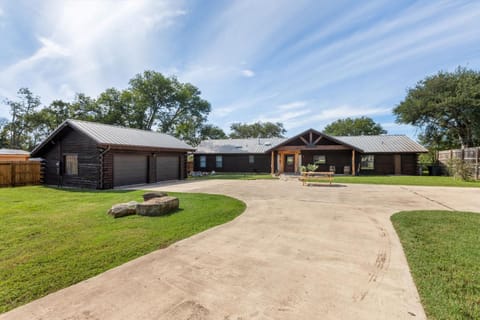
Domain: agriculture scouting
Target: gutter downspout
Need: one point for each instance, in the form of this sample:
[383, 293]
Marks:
[101, 165]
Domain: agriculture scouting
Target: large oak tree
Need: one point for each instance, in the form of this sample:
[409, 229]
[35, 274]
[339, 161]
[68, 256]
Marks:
[446, 109]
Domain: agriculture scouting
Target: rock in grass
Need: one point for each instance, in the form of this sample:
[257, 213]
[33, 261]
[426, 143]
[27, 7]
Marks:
[153, 194]
[123, 209]
[158, 206]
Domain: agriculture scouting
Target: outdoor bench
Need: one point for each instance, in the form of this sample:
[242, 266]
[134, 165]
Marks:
[312, 176]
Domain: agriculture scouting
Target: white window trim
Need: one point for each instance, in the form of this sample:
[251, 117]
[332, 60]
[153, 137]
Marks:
[203, 161]
[218, 159]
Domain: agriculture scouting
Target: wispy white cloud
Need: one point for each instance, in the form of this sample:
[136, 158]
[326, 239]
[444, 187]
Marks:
[291, 106]
[248, 73]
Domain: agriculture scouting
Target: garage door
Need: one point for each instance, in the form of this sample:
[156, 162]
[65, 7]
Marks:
[129, 169]
[167, 168]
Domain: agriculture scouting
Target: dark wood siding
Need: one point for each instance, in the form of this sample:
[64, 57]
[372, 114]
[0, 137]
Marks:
[339, 159]
[234, 163]
[409, 164]
[69, 141]
[385, 164]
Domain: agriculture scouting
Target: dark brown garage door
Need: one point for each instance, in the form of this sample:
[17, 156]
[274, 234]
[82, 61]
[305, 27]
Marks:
[167, 167]
[129, 169]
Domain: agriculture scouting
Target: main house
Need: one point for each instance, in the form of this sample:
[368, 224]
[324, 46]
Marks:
[98, 156]
[382, 154]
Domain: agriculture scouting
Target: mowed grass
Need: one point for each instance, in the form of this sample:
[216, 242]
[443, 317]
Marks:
[443, 251]
[51, 238]
[439, 181]
[236, 176]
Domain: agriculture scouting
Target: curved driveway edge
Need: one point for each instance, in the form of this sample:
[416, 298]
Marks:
[295, 253]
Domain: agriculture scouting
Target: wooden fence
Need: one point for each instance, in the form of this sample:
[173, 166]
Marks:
[471, 156]
[20, 173]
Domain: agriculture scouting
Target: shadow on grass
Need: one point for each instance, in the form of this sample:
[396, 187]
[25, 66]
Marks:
[68, 189]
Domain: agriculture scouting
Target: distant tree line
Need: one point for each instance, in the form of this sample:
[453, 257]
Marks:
[151, 102]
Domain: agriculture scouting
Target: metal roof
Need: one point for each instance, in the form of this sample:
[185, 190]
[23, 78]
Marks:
[383, 143]
[252, 145]
[13, 151]
[120, 136]
[365, 144]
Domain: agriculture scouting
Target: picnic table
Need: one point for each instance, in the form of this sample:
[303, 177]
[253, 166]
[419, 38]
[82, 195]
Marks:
[310, 175]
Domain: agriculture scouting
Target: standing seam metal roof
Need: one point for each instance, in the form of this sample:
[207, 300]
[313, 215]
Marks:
[383, 143]
[253, 145]
[120, 136]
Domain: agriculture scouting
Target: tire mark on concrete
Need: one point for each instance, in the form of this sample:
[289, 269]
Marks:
[429, 199]
[381, 264]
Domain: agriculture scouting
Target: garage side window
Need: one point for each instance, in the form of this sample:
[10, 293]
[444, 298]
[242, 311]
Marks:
[203, 161]
[251, 159]
[71, 164]
[218, 162]
[367, 162]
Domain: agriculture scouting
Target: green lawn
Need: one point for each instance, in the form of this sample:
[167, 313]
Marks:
[236, 176]
[443, 251]
[51, 238]
[408, 180]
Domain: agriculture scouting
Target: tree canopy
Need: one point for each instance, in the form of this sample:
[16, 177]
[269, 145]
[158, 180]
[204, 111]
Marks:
[446, 109]
[257, 130]
[151, 102]
[354, 127]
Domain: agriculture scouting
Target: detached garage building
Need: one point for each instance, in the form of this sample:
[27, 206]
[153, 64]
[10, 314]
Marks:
[92, 155]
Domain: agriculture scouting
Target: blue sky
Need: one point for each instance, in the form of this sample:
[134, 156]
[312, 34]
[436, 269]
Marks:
[302, 63]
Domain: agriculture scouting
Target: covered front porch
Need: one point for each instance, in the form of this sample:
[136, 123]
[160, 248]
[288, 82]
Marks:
[312, 147]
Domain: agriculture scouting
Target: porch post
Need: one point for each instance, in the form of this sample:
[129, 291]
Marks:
[272, 163]
[296, 162]
[353, 162]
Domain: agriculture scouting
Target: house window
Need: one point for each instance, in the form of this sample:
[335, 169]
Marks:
[203, 161]
[218, 161]
[319, 159]
[71, 164]
[367, 162]
[251, 159]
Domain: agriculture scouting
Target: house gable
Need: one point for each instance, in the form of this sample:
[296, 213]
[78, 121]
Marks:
[313, 140]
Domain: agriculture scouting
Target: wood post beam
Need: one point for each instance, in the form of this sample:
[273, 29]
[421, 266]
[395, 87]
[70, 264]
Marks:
[304, 140]
[353, 162]
[272, 163]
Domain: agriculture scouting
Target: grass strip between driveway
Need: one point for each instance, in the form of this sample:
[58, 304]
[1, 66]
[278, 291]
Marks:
[432, 181]
[443, 252]
[52, 238]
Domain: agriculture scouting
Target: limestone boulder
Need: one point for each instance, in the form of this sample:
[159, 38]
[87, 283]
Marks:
[123, 209]
[153, 194]
[158, 206]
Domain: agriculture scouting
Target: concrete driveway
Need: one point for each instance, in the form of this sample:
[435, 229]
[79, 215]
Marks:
[296, 253]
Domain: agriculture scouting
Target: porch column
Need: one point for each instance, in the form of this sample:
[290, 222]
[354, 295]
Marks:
[272, 163]
[353, 162]
[281, 161]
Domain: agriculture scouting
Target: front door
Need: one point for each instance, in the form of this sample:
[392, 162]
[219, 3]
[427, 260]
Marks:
[398, 164]
[289, 163]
